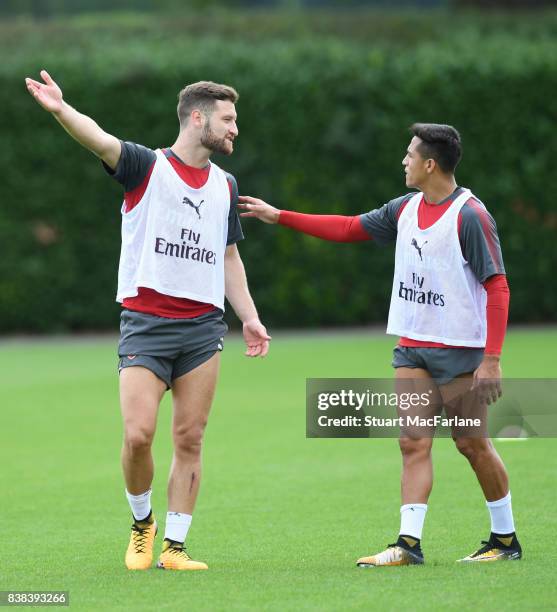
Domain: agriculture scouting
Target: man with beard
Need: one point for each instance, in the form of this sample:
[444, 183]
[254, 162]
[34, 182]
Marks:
[178, 261]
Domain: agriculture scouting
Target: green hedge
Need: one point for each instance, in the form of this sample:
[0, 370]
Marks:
[323, 129]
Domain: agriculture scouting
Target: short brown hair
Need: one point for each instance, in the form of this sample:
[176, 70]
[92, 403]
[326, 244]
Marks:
[202, 96]
[439, 142]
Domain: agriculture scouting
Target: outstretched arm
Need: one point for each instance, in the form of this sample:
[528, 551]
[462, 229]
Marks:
[237, 293]
[79, 126]
[336, 228]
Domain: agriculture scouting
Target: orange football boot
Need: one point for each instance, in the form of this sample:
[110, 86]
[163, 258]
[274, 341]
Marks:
[174, 557]
[139, 555]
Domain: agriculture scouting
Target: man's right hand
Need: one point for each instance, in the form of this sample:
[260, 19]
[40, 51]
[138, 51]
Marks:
[47, 94]
[78, 126]
[259, 209]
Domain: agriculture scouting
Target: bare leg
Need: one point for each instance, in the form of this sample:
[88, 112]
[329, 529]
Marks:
[479, 451]
[192, 397]
[487, 465]
[140, 395]
[417, 468]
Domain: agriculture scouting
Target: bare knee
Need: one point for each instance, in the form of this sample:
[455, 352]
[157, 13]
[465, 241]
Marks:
[473, 448]
[414, 448]
[189, 438]
[138, 440]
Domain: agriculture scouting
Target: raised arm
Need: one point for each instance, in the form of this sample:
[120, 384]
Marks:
[237, 293]
[79, 126]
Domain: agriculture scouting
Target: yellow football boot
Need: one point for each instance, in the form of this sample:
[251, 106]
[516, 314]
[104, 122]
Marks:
[174, 557]
[393, 555]
[496, 549]
[139, 555]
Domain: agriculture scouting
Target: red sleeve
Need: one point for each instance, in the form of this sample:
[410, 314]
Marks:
[336, 228]
[497, 312]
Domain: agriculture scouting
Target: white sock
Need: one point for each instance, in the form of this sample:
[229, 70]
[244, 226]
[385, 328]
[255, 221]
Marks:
[177, 526]
[412, 517]
[501, 513]
[140, 504]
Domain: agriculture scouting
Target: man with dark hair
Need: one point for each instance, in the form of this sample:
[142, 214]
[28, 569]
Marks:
[202, 95]
[449, 306]
[178, 260]
[440, 143]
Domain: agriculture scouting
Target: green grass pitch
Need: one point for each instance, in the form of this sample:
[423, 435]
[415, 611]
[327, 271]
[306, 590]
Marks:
[280, 519]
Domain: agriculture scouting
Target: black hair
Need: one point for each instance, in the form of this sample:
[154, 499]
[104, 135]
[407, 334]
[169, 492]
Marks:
[439, 142]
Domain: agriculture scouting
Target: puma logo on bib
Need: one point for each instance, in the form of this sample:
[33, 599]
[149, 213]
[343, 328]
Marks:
[188, 202]
[414, 243]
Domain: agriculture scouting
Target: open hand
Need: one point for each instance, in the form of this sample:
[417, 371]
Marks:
[258, 208]
[256, 338]
[47, 94]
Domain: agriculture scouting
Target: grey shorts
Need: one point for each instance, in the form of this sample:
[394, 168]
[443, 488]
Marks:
[169, 347]
[443, 364]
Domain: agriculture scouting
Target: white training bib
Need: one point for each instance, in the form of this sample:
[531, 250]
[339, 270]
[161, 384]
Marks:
[436, 297]
[174, 240]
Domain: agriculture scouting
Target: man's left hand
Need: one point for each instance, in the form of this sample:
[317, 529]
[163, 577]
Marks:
[256, 338]
[487, 380]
